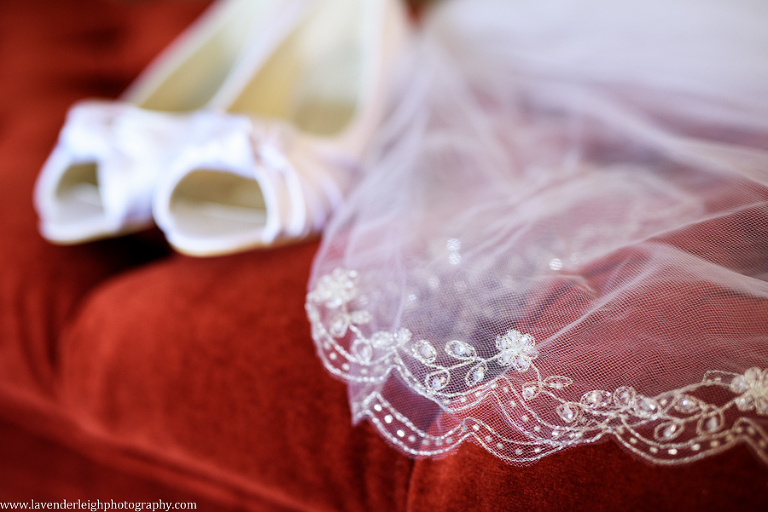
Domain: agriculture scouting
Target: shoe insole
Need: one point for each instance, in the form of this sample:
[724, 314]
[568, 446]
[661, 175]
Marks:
[196, 72]
[314, 78]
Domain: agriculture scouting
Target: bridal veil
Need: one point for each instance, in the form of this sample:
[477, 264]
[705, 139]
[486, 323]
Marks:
[563, 235]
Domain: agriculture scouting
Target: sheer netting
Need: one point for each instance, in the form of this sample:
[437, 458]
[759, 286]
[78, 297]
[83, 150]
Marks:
[563, 237]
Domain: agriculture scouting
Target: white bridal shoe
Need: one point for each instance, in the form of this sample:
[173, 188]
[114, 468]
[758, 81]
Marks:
[100, 178]
[270, 164]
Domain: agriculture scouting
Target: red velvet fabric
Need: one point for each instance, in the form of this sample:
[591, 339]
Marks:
[46, 471]
[599, 478]
[208, 364]
[129, 372]
[51, 55]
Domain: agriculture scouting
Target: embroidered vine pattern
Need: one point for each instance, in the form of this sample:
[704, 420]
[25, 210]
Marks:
[675, 426]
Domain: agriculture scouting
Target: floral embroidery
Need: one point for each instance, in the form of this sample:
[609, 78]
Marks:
[753, 387]
[336, 289]
[516, 349]
[676, 426]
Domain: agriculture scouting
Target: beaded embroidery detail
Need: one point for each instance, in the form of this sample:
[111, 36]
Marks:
[673, 427]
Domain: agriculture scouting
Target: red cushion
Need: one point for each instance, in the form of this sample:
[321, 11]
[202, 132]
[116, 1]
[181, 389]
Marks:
[209, 363]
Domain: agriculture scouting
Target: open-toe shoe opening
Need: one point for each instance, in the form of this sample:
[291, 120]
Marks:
[77, 198]
[211, 204]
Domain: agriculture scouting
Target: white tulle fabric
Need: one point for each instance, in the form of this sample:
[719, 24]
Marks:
[564, 235]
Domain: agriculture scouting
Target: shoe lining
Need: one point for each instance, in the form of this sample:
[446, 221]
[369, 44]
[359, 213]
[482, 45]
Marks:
[214, 204]
[201, 70]
[314, 78]
[77, 194]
